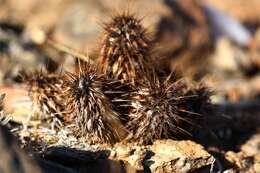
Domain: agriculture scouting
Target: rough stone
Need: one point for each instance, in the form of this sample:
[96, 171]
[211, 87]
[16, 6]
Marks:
[178, 156]
[165, 156]
[252, 146]
[242, 162]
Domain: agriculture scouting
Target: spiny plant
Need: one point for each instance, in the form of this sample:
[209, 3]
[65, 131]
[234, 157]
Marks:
[124, 97]
[126, 49]
[165, 110]
[89, 97]
[45, 91]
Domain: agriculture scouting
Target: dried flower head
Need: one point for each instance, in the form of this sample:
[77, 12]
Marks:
[163, 110]
[89, 103]
[45, 91]
[125, 52]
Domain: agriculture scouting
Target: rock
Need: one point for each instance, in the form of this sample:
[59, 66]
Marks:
[242, 162]
[229, 57]
[131, 154]
[55, 159]
[16, 102]
[164, 156]
[178, 156]
[252, 146]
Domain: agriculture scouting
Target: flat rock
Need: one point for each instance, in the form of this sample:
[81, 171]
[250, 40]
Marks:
[252, 146]
[241, 162]
[164, 156]
[178, 156]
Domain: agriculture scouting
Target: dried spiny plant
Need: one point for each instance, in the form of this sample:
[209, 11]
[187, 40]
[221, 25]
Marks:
[91, 108]
[165, 110]
[45, 91]
[126, 49]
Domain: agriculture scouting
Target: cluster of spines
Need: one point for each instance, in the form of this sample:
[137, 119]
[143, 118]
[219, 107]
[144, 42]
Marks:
[160, 108]
[46, 93]
[165, 110]
[125, 98]
[126, 49]
[89, 98]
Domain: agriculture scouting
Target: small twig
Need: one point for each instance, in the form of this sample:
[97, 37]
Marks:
[69, 51]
